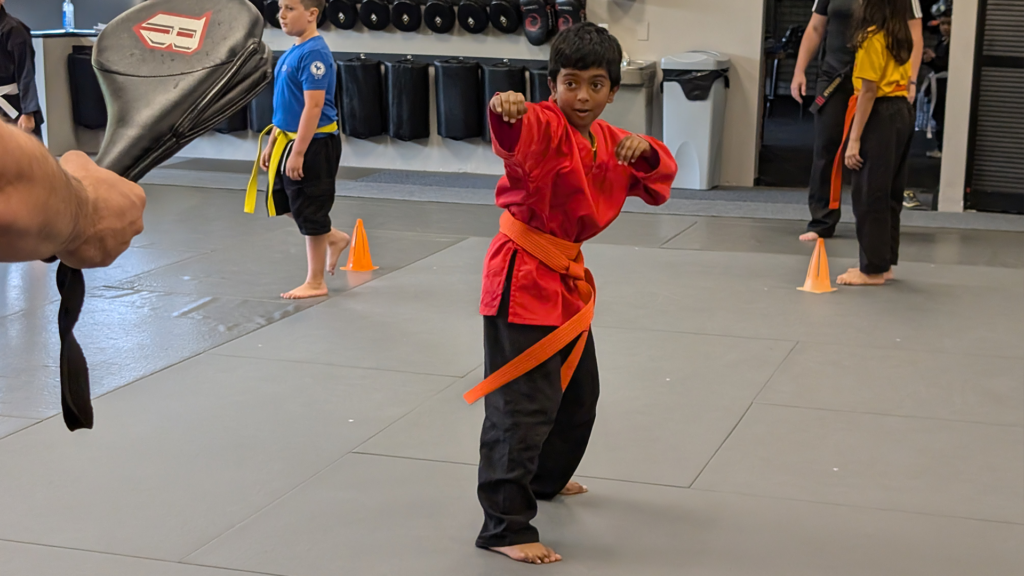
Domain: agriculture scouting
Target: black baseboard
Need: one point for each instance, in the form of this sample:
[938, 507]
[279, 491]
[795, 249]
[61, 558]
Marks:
[983, 201]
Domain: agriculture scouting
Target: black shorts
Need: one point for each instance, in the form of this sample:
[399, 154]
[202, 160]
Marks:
[310, 200]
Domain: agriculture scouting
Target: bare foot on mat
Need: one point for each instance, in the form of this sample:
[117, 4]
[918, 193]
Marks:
[535, 553]
[574, 488]
[307, 290]
[854, 277]
[337, 241]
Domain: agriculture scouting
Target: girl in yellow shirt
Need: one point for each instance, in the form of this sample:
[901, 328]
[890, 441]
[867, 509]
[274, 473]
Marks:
[880, 124]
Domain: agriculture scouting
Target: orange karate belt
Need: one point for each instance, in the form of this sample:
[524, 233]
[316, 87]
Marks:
[565, 258]
[837, 166]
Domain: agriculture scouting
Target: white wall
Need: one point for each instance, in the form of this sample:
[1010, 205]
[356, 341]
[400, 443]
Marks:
[958, 106]
[647, 29]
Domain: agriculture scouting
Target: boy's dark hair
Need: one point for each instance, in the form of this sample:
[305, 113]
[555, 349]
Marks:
[318, 4]
[585, 46]
[891, 17]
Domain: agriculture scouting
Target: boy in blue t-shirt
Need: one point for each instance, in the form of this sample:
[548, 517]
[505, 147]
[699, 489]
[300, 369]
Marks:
[305, 115]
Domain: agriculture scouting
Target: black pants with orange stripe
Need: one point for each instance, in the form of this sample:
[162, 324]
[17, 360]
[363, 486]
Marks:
[534, 435]
[828, 139]
[878, 186]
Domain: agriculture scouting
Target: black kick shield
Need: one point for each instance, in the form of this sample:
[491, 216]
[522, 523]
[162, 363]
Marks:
[170, 70]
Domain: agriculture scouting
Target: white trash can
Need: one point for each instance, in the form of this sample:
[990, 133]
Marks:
[694, 88]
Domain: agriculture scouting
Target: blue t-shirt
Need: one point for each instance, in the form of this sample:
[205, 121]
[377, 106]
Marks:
[304, 67]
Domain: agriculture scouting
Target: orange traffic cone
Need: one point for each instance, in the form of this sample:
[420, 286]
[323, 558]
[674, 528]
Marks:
[359, 259]
[818, 280]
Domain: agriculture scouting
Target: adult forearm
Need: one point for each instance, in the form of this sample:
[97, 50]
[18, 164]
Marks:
[917, 32]
[808, 48]
[41, 205]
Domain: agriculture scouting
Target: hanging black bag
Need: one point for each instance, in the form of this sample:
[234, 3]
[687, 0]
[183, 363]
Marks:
[375, 14]
[362, 100]
[439, 16]
[88, 107]
[500, 77]
[408, 85]
[406, 15]
[343, 14]
[473, 16]
[459, 113]
[540, 90]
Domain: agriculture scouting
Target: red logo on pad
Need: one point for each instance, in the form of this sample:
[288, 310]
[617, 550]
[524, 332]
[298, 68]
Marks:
[173, 32]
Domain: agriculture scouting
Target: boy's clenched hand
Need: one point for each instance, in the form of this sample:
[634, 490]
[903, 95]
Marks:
[511, 106]
[632, 148]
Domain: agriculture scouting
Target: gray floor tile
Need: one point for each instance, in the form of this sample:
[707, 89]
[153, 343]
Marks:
[423, 319]
[364, 516]
[9, 425]
[125, 335]
[268, 265]
[19, 559]
[895, 463]
[31, 284]
[201, 219]
[644, 230]
[948, 386]
[676, 395]
[185, 455]
[933, 307]
[930, 245]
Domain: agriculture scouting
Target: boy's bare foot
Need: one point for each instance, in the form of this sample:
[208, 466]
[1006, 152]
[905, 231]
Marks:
[854, 277]
[307, 290]
[337, 241]
[574, 488]
[809, 237]
[535, 553]
[889, 275]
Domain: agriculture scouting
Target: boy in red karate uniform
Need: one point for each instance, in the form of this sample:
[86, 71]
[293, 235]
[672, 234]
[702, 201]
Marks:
[567, 175]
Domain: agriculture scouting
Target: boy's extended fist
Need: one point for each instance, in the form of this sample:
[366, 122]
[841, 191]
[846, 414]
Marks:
[511, 106]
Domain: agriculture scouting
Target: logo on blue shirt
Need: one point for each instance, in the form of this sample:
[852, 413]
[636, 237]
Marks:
[318, 69]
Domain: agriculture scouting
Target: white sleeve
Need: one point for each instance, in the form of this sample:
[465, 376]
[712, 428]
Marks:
[915, 7]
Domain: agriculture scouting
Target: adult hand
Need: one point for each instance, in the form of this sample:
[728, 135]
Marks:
[853, 159]
[293, 168]
[912, 93]
[799, 87]
[110, 216]
[27, 123]
[631, 148]
[511, 106]
[928, 55]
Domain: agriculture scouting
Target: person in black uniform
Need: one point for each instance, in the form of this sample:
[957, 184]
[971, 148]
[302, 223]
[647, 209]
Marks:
[19, 99]
[832, 20]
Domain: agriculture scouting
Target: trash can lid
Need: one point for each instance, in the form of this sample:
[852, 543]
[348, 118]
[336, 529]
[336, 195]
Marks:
[695, 60]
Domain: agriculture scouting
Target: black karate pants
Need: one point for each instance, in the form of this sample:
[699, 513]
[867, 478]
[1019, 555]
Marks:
[828, 139]
[878, 186]
[534, 435]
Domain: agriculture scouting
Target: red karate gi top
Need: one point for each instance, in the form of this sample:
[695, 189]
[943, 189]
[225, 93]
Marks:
[553, 184]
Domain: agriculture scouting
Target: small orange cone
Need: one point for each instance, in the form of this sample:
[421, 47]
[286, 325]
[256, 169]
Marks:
[359, 259]
[818, 281]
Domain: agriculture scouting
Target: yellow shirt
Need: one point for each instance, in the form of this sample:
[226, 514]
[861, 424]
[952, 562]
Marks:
[875, 63]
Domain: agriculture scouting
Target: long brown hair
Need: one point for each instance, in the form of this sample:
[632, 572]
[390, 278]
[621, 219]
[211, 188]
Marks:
[889, 16]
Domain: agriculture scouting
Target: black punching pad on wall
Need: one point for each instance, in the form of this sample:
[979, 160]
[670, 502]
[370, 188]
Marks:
[362, 98]
[408, 89]
[457, 82]
[500, 77]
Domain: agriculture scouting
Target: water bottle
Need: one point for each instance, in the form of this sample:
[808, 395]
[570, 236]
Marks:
[69, 15]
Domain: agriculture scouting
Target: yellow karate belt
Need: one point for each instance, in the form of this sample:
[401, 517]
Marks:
[275, 161]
